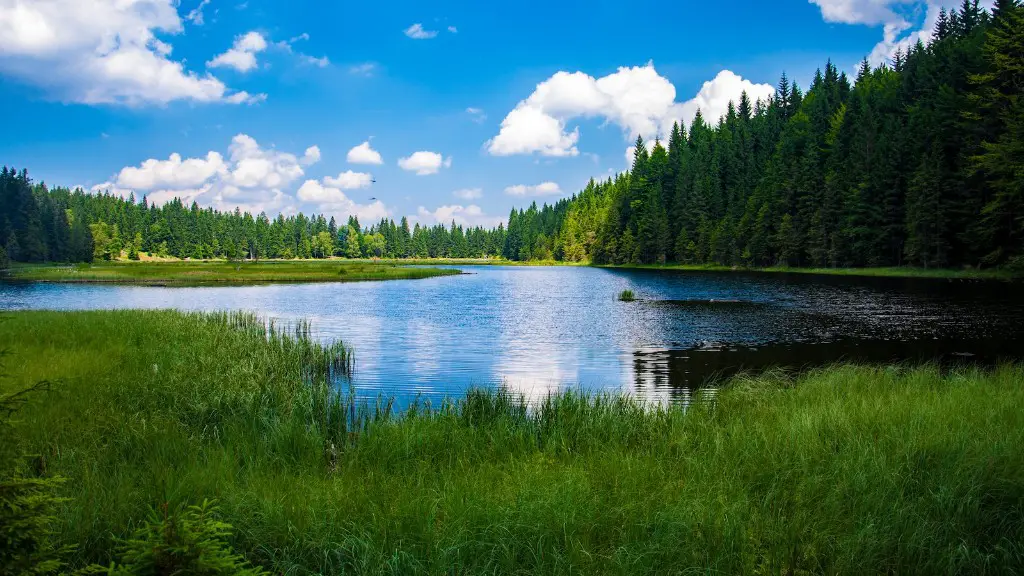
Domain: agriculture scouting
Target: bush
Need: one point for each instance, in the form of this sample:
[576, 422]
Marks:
[192, 541]
[28, 502]
[627, 296]
[4, 260]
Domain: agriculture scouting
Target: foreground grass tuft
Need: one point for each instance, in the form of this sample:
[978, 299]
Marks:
[221, 272]
[845, 470]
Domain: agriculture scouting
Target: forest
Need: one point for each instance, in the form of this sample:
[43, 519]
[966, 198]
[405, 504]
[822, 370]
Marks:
[917, 162]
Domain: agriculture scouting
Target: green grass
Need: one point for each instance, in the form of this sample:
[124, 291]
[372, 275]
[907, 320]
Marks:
[844, 470]
[627, 296]
[890, 272]
[223, 272]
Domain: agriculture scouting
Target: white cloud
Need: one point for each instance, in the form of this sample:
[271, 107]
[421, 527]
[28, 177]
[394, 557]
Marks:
[250, 177]
[363, 154]
[330, 200]
[476, 114]
[468, 193]
[417, 32]
[321, 62]
[714, 97]
[453, 29]
[311, 156]
[172, 173]
[895, 16]
[244, 97]
[542, 189]
[100, 52]
[242, 54]
[424, 163]
[109, 188]
[349, 180]
[364, 69]
[637, 99]
[471, 216]
[287, 46]
[196, 15]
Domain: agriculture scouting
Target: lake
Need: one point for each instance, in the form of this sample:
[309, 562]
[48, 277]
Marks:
[539, 329]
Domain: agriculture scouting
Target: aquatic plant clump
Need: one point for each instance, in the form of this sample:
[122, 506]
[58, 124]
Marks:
[627, 296]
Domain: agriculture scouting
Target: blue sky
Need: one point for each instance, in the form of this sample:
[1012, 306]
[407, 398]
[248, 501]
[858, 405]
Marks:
[470, 107]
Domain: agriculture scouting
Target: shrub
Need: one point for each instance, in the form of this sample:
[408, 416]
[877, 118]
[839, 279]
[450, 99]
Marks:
[28, 502]
[191, 541]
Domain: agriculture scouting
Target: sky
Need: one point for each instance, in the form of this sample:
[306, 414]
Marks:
[438, 111]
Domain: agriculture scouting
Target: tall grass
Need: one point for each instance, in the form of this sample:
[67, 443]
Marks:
[846, 470]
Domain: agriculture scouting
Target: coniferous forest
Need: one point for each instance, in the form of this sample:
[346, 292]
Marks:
[918, 162]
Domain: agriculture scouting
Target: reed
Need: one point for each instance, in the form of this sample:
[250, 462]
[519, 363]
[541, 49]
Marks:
[627, 296]
[845, 469]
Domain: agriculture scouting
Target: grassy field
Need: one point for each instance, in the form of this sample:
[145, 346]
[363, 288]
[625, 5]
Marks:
[223, 272]
[846, 470]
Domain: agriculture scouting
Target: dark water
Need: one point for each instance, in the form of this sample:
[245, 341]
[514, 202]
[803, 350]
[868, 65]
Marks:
[541, 329]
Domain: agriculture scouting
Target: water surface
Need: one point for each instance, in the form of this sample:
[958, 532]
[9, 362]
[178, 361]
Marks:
[538, 329]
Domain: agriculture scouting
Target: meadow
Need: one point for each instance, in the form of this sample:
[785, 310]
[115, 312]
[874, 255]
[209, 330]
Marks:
[840, 470]
[223, 272]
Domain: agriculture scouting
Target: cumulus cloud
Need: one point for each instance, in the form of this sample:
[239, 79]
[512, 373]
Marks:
[468, 193]
[542, 189]
[424, 163]
[364, 154]
[637, 99]
[453, 29]
[417, 32]
[897, 18]
[476, 114]
[172, 173]
[250, 177]
[312, 155]
[100, 52]
[242, 54]
[331, 200]
[349, 180]
[471, 216]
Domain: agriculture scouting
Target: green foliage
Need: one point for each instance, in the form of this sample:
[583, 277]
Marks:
[191, 541]
[843, 470]
[198, 273]
[28, 500]
[627, 296]
[5, 262]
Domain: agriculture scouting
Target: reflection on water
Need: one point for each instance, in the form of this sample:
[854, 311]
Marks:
[538, 330]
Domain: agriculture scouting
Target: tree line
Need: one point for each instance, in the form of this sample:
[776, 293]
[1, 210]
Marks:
[915, 162]
[920, 162]
[57, 224]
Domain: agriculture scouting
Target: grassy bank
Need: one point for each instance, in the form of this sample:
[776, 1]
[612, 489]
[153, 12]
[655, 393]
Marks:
[223, 272]
[892, 272]
[846, 470]
[889, 272]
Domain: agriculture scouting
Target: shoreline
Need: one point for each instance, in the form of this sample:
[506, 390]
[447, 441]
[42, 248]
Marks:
[322, 270]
